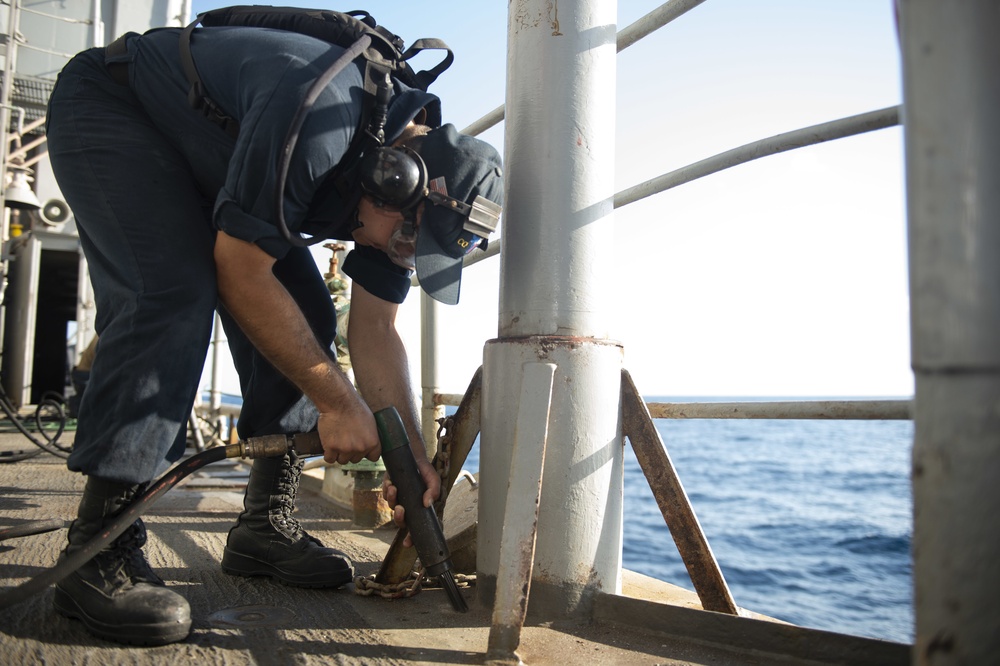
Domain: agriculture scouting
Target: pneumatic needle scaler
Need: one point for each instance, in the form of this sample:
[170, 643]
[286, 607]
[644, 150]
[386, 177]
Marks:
[422, 521]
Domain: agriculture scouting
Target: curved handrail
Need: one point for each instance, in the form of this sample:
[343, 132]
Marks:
[800, 138]
[626, 37]
[779, 143]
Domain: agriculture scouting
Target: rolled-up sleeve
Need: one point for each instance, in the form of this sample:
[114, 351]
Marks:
[374, 271]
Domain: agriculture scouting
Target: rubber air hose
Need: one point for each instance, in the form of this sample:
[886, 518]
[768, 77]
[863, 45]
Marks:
[49, 447]
[267, 446]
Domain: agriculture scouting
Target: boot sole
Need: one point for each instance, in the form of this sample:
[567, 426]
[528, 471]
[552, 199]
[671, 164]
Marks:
[130, 634]
[235, 564]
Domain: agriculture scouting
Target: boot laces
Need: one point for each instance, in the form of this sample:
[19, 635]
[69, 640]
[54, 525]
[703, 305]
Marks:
[284, 504]
[127, 558]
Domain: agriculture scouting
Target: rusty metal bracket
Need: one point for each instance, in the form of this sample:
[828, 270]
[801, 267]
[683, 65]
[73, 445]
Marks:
[398, 561]
[520, 523]
[652, 455]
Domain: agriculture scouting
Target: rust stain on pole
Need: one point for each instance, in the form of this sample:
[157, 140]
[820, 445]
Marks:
[638, 426]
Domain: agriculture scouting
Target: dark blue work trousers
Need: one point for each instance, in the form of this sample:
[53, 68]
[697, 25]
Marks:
[145, 228]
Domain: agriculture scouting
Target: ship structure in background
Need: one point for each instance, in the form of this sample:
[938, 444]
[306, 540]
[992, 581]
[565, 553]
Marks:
[46, 293]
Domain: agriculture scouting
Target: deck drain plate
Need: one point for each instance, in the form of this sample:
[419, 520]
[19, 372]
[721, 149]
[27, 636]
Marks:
[251, 616]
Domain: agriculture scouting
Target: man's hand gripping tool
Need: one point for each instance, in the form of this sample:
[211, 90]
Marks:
[422, 521]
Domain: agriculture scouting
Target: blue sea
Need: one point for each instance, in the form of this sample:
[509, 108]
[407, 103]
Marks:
[810, 521]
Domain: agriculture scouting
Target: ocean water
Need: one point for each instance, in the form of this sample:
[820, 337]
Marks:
[810, 521]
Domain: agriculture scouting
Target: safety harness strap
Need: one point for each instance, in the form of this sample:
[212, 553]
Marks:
[197, 98]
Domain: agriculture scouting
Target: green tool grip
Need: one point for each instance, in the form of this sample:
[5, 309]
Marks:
[422, 521]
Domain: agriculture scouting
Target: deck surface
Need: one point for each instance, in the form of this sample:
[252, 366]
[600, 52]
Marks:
[255, 621]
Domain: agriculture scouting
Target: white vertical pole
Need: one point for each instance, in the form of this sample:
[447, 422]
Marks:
[215, 391]
[554, 302]
[952, 93]
[6, 86]
[521, 522]
[85, 308]
[429, 373]
[97, 31]
[6, 89]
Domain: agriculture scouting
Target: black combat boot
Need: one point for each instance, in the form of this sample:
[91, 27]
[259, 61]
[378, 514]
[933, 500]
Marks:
[116, 595]
[268, 541]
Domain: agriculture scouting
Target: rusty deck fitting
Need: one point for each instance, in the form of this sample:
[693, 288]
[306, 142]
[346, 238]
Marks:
[520, 524]
[369, 505]
[697, 555]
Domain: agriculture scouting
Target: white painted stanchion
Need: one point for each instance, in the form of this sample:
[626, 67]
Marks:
[555, 305]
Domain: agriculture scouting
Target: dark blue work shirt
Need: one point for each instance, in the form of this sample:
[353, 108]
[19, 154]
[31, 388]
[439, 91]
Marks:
[259, 77]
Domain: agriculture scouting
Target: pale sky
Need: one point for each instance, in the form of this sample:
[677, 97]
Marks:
[783, 277]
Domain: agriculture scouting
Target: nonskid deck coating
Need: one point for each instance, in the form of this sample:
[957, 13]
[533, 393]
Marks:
[255, 621]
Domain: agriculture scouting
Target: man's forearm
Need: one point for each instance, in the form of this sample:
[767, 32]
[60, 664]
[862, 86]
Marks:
[382, 372]
[380, 362]
[272, 321]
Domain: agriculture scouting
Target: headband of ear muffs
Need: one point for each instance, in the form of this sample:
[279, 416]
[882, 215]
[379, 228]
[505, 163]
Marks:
[396, 177]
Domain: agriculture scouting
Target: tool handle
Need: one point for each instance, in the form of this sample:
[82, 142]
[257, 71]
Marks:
[422, 521]
[307, 444]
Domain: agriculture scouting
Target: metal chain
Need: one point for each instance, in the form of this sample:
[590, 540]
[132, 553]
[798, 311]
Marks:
[366, 586]
[464, 580]
[442, 463]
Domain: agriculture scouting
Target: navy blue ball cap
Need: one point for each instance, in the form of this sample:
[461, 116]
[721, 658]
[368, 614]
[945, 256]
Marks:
[472, 173]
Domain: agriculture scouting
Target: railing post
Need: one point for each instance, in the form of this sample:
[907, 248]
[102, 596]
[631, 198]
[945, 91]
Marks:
[673, 502]
[215, 390]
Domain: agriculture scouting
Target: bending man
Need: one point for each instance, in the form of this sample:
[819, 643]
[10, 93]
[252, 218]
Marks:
[177, 219]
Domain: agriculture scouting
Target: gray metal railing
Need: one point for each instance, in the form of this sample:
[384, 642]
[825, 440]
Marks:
[800, 138]
[861, 409]
[883, 410]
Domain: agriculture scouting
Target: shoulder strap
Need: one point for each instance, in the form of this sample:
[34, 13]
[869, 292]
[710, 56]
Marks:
[384, 52]
[425, 78]
[291, 138]
[357, 32]
[340, 28]
[197, 98]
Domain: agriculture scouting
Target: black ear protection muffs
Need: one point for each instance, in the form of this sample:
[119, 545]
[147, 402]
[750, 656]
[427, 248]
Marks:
[394, 177]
